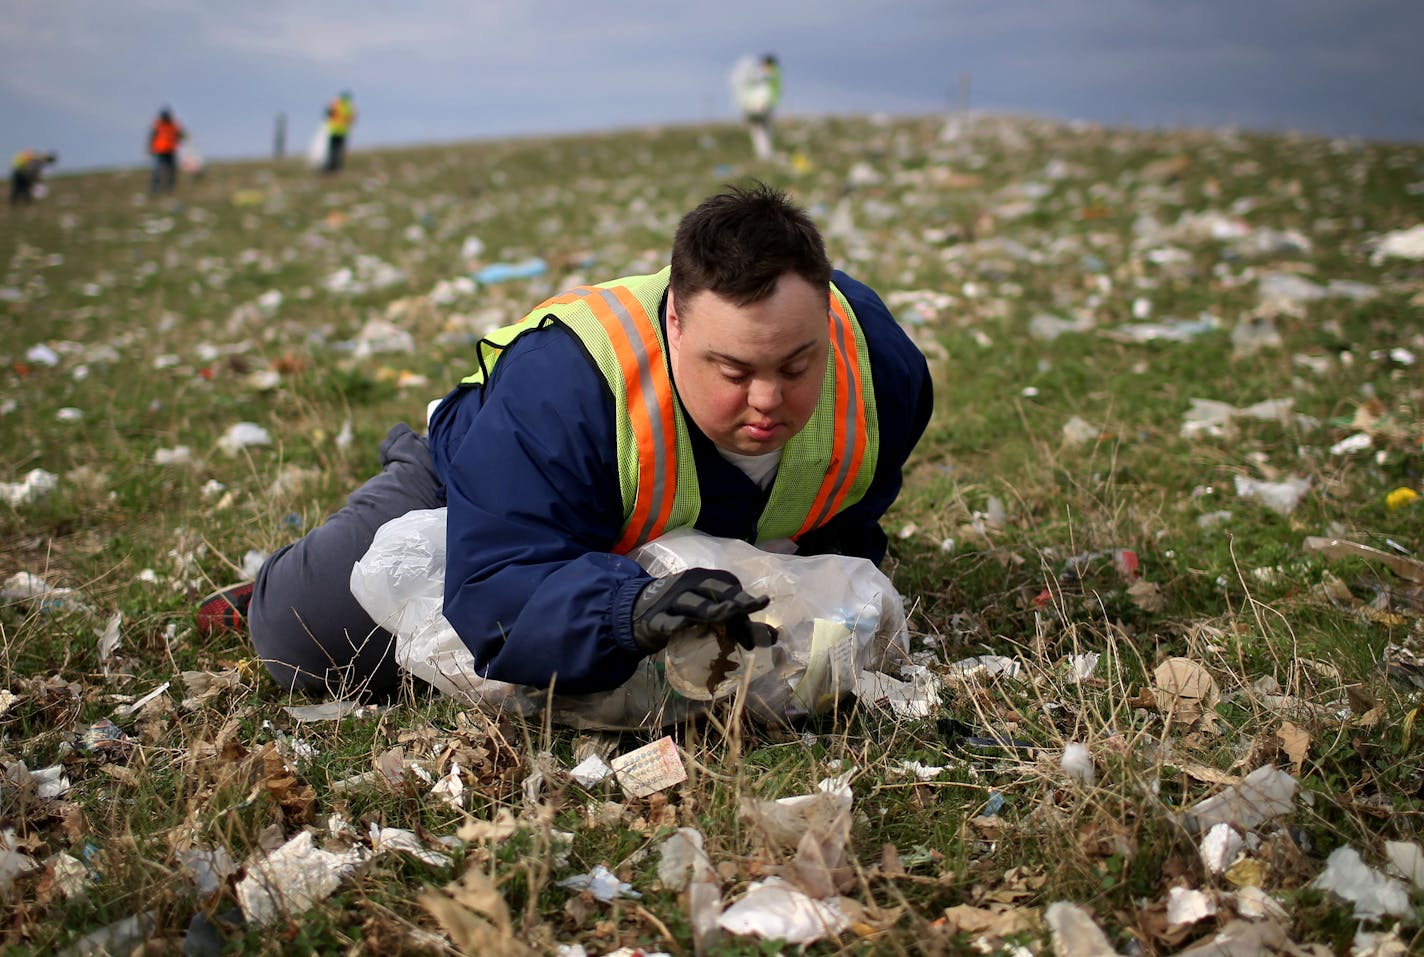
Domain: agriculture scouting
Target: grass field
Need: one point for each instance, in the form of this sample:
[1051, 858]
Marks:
[1077, 291]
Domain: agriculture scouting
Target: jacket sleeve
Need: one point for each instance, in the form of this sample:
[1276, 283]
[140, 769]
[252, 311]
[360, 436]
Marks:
[904, 399]
[529, 464]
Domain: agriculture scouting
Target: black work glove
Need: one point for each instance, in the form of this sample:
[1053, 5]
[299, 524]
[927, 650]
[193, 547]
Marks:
[705, 597]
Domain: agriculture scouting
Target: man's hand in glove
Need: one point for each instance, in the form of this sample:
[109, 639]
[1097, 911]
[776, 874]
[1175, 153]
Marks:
[703, 598]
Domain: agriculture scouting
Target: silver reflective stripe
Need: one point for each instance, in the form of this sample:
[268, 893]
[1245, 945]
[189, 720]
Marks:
[847, 428]
[650, 405]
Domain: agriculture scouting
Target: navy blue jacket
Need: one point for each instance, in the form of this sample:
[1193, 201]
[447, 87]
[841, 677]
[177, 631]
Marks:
[530, 473]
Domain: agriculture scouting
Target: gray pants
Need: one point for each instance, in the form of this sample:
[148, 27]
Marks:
[306, 626]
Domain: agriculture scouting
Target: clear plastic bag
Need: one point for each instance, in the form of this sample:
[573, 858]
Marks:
[836, 616]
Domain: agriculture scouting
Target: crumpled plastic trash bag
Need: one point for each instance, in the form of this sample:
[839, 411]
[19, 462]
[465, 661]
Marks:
[240, 435]
[1373, 894]
[836, 616]
[775, 910]
[1399, 244]
[293, 878]
[36, 482]
[1280, 497]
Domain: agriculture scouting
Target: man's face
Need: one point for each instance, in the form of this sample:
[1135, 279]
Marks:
[750, 376]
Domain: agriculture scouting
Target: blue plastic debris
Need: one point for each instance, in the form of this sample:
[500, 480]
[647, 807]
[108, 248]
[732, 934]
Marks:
[503, 272]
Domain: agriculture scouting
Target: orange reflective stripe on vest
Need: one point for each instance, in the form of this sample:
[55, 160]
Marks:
[632, 333]
[848, 446]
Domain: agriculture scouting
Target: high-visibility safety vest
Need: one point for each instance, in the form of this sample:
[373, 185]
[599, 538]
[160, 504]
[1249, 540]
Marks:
[22, 159]
[824, 469]
[165, 137]
[339, 116]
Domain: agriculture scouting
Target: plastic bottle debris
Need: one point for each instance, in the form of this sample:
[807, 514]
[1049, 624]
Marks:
[1265, 793]
[1373, 895]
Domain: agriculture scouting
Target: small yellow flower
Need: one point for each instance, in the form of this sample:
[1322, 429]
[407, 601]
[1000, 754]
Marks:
[1400, 497]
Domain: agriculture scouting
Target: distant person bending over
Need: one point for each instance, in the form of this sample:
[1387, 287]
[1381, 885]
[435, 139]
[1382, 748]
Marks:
[340, 117]
[163, 139]
[746, 391]
[26, 169]
[758, 93]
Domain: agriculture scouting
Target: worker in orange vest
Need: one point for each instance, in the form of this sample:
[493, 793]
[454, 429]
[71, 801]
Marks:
[163, 140]
[340, 117]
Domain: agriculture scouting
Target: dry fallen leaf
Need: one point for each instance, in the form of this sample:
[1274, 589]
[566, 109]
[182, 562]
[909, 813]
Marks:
[1186, 692]
[1295, 743]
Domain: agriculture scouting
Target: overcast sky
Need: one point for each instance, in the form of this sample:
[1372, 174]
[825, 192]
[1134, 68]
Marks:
[85, 77]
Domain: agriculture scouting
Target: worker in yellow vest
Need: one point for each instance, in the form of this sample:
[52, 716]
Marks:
[340, 117]
[26, 168]
[747, 390]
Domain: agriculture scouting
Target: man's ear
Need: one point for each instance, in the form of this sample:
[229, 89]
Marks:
[674, 321]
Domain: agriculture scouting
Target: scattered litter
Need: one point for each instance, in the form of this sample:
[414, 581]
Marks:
[399, 839]
[653, 767]
[1075, 933]
[1399, 244]
[135, 707]
[209, 869]
[1241, 938]
[602, 883]
[1264, 793]
[178, 455]
[37, 482]
[1359, 442]
[1408, 859]
[917, 698]
[242, 435]
[1078, 431]
[1280, 497]
[1219, 847]
[987, 666]
[774, 909]
[293, 878]
[1406, 568]
[1187, 905]
[120, 937]
[451, 788]
[1372, 894]
[504, 272]
[590, 771]
[1077, 764]
[1185, 692]
[330, 710]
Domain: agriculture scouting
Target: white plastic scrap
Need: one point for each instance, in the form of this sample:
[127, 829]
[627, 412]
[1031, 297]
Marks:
[602, 883]
[1359, 442]
[917, 698]
[293, 878]
[1279, 497]
[1187, 905]
[1219, 847]
[241, 435]
[590, 771]
[1077, 764]
[774, 909]
[1075, 933]
[1400, 244]
[1385, 943]
[987, 666]
[36, 482]
[1373, 894]
[1263, 794]
[450, 788]
[1408, 858]
[399, 839]
[109, 639]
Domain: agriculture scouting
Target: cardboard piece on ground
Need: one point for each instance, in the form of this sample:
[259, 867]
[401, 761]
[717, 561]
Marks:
[648, 769]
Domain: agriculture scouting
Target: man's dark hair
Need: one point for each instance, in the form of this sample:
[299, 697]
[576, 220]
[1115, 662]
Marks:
[738, 243]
